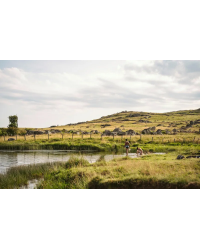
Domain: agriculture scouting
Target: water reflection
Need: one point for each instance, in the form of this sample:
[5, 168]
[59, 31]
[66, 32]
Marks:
[16, 158]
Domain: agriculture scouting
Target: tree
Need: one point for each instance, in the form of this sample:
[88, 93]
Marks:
[3, 131]
[12, 131]
[13, 121]
[13, 125]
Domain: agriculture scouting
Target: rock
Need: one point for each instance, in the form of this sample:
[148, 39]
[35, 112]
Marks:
[148, 131]
[130, 132]
[11, 139]
[39, 132]
[55, 131]
[95, 132]
[193, 156]
[107, 133]
[144, 121]
[117, 130]
[159, 132]
[105, 125]
[179, 157]
[121, 133]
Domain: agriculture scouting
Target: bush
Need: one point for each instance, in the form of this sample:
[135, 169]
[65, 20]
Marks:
[76, 162]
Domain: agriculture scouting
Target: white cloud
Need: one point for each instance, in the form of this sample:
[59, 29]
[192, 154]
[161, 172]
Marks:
[69, 96]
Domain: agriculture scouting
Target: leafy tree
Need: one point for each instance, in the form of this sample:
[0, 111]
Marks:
[3, 131]
[22, 132]
[12, 131]
[13, 121]
[13, 125]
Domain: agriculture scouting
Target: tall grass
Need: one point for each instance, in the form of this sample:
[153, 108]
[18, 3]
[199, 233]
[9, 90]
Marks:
[16, 177]
[150, 171]
[146, 172]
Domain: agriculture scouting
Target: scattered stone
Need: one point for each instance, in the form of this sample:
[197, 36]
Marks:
[105, 125]
[180, 157]
[117, 130]
[130, 132]
[148, 131]
[193, 156]
[159, 132]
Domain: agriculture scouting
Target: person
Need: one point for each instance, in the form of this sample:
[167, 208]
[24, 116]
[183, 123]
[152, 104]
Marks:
[127, 146]
[139, 151]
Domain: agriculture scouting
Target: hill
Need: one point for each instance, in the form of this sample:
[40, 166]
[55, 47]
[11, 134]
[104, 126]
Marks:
[182, 121]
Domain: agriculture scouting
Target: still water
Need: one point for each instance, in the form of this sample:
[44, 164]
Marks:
[16, 158]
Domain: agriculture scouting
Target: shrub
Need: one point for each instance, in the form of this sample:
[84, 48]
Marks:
[76, 162]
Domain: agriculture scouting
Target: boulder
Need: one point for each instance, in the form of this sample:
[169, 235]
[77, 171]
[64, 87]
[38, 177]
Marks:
[130, 132]
[117, 130]
[159, 132]
[179, 157]
[121, 133]
[107, 133]
[193, 156]
[148, 131]
[39, 132]
[11, 139]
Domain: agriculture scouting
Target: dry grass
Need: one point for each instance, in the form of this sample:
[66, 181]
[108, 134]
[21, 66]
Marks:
[152, 171]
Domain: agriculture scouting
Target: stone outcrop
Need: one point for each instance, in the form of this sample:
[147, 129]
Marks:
[130, 132]
[117, 130]
[144, 121]
[180, 157]
[148, 131]
[159, 132]
[95, 132]
[107, 133]
[105, 125]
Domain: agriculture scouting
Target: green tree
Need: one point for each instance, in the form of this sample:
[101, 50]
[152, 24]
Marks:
[13, 121]
[13, 125]
[3, 131]
[12, 131]
[22, 132]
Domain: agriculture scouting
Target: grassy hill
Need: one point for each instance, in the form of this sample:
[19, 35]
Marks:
[138, 121]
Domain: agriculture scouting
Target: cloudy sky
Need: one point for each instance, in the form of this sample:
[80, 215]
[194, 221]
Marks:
[45, 93]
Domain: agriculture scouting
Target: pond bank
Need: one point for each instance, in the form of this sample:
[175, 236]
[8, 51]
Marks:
[148, 171]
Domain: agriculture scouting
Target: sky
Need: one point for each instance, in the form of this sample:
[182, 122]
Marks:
[46, 93]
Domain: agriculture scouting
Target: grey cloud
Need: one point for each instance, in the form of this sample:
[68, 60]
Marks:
[105, 95]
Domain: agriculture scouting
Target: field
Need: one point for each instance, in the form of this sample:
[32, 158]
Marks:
[149, 171]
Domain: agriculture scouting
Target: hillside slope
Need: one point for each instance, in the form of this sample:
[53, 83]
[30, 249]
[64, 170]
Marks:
[138, 121]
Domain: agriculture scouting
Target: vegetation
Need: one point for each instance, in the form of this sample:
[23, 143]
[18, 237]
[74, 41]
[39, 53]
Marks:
[148, 171]
[17, 177]
[13, 121]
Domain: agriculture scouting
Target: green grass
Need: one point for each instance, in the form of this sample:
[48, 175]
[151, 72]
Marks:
[151, 171]
[17, 177]
[148, 171]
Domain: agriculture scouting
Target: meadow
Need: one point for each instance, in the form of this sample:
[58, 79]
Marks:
[148, 171]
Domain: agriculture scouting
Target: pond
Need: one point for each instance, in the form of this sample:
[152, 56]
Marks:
[16, 158]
